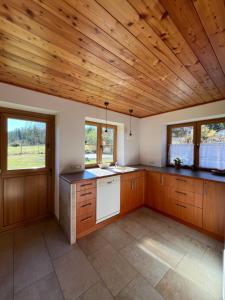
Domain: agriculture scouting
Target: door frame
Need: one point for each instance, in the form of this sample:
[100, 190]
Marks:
[50, 158]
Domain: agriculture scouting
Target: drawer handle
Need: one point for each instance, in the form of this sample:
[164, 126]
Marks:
[183, 180]
[85, 194]
[181, 205]
[181, 193]
[109, 182]
[86, 219]
[86, 205]
[86, 184]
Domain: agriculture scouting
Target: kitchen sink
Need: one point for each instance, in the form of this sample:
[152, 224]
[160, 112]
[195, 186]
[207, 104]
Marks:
[121, 169]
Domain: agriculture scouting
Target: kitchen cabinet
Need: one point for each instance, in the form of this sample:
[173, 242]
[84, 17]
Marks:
[132, 191]
[85, 207]
[177, 196]
[214, 207]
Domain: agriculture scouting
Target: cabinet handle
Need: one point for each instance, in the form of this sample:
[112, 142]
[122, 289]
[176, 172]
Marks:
[86, 205]
[85, 194]
[86, 219]
[181, 193]
[181, 205]
[162, 180]
[183, 180]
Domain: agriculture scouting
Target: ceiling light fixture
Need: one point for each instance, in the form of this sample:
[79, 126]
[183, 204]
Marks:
[130, 111]
[106, 116]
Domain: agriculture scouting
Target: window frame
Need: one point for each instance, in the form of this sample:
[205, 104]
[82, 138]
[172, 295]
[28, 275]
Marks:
[99, 143]
[196, 139]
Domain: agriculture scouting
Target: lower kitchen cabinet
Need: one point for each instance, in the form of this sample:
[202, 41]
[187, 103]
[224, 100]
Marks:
[165, 193]
[132, 191]
[214, 207]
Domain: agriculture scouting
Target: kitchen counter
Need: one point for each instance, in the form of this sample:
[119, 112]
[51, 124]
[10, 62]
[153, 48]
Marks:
[96, 173]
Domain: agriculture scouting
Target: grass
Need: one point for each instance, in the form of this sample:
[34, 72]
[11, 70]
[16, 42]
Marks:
[26, 158]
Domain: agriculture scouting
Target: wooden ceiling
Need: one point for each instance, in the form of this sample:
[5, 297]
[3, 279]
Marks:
[152, 56]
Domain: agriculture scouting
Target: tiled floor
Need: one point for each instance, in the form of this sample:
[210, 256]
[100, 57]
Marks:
[143, 256]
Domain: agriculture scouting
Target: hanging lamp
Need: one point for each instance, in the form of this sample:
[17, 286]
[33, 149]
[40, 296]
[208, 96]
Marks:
[130, 111]
[106, 116]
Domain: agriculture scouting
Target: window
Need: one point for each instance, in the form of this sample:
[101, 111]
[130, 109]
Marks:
[200, 144]
[26, 144]
[100, 146]
[182, 145]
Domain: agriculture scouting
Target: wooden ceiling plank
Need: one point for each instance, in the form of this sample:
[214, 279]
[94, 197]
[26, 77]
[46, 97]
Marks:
[79, 95]
[134, 23]
[43, 31]
[155, 15]
[98, 15]
[47, 73]
[22, 19]
[68, 14]
[212, 16]
[80, 75]
[38, 55]
[186, 19]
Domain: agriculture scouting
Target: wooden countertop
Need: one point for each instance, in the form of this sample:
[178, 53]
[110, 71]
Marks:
[97, 173]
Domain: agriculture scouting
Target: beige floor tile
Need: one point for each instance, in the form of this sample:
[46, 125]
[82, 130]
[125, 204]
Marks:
[139, 289]
[132, 227]
[145, 262]
[56, 241]
[205, 272]
[97, 292]
[164, 250]
[112, 268]
[174, 286]
[31, 258]
[75, 273]
[6, 287]
[116, 236]
[92, 243]
[46, 288]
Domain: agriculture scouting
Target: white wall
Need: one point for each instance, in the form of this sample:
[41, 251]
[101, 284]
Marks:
[70, 118]
[153, 129]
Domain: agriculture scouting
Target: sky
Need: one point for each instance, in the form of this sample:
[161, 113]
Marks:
[16, 123]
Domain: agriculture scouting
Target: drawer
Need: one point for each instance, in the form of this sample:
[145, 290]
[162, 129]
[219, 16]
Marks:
[132, 175]
[85, 185]
[86, 207]
[186, 197]
[189, 214]
[86, 195]
[183, 184]
[85, 223]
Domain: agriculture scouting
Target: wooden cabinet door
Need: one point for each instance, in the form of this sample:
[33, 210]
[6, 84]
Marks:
[138, 192]
[153, 186]
[214, 207]
[125, 196]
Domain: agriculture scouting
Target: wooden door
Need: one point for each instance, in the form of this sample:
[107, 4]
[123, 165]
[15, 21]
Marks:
[27, 167]
[214, 207]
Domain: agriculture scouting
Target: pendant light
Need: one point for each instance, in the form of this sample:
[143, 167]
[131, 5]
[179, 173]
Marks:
[106, 116]
[130, 111]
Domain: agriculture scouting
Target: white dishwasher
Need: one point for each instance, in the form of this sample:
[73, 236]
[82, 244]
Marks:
[108, 198]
